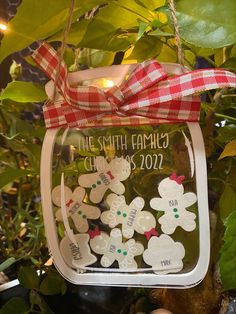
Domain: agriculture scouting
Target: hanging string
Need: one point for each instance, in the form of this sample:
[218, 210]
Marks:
[61, 51]
[180, 53]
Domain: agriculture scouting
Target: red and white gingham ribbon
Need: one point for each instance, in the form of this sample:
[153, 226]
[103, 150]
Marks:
[148, 96]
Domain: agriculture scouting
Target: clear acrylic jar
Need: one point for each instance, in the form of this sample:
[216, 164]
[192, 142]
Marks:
[164, 197]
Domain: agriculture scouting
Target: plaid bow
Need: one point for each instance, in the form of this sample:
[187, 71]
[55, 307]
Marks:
[148, 96]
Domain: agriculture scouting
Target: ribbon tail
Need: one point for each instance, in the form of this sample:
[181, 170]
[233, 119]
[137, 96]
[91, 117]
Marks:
[173, 98]
[88, 98]
[48, 61]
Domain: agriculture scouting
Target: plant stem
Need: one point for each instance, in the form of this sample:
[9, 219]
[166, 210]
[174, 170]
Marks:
[210, 61]
[225, 117]
[230, 95]
[5, 124]
[210, 96]
[132, 11]
[221, 180]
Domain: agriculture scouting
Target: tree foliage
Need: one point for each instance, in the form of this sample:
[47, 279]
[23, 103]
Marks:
[137, 30]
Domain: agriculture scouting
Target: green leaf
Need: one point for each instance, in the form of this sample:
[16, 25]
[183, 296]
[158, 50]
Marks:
[96, 58]
[16, 107]
[160, 33]
[52, 284]
[16, 145]
[45, 19]
[143, 27]
[151, 4]
[229, 150]
[15, 306]
[227, 203]
[226, 134]
[219, 56]
[104, 31]
[7, 158]
[7, 263]
[190, 58]
[17, 125]
[28, 277]
[207, 24]
[104, 36]
[167, 54]
[202, 52]
[33, 152]
[69, 57]
[24, 92]
[75, 35]
[228, 254]
[230, 64]
[9, 175]
[37, 300]
[147, 47]
[132, 6]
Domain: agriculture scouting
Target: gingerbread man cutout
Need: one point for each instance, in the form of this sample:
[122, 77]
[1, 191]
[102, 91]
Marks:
[174, 202]
[76, 209]
[112, 249]
[164, 255]
[130, 216]
[108, 176]
[77, 255]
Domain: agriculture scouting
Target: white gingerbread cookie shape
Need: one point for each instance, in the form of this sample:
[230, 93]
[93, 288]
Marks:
[174, 202]
[112, 249]
[130, 216]
[164, 255]
[76, 209]
[108, 176]
[79, 255]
